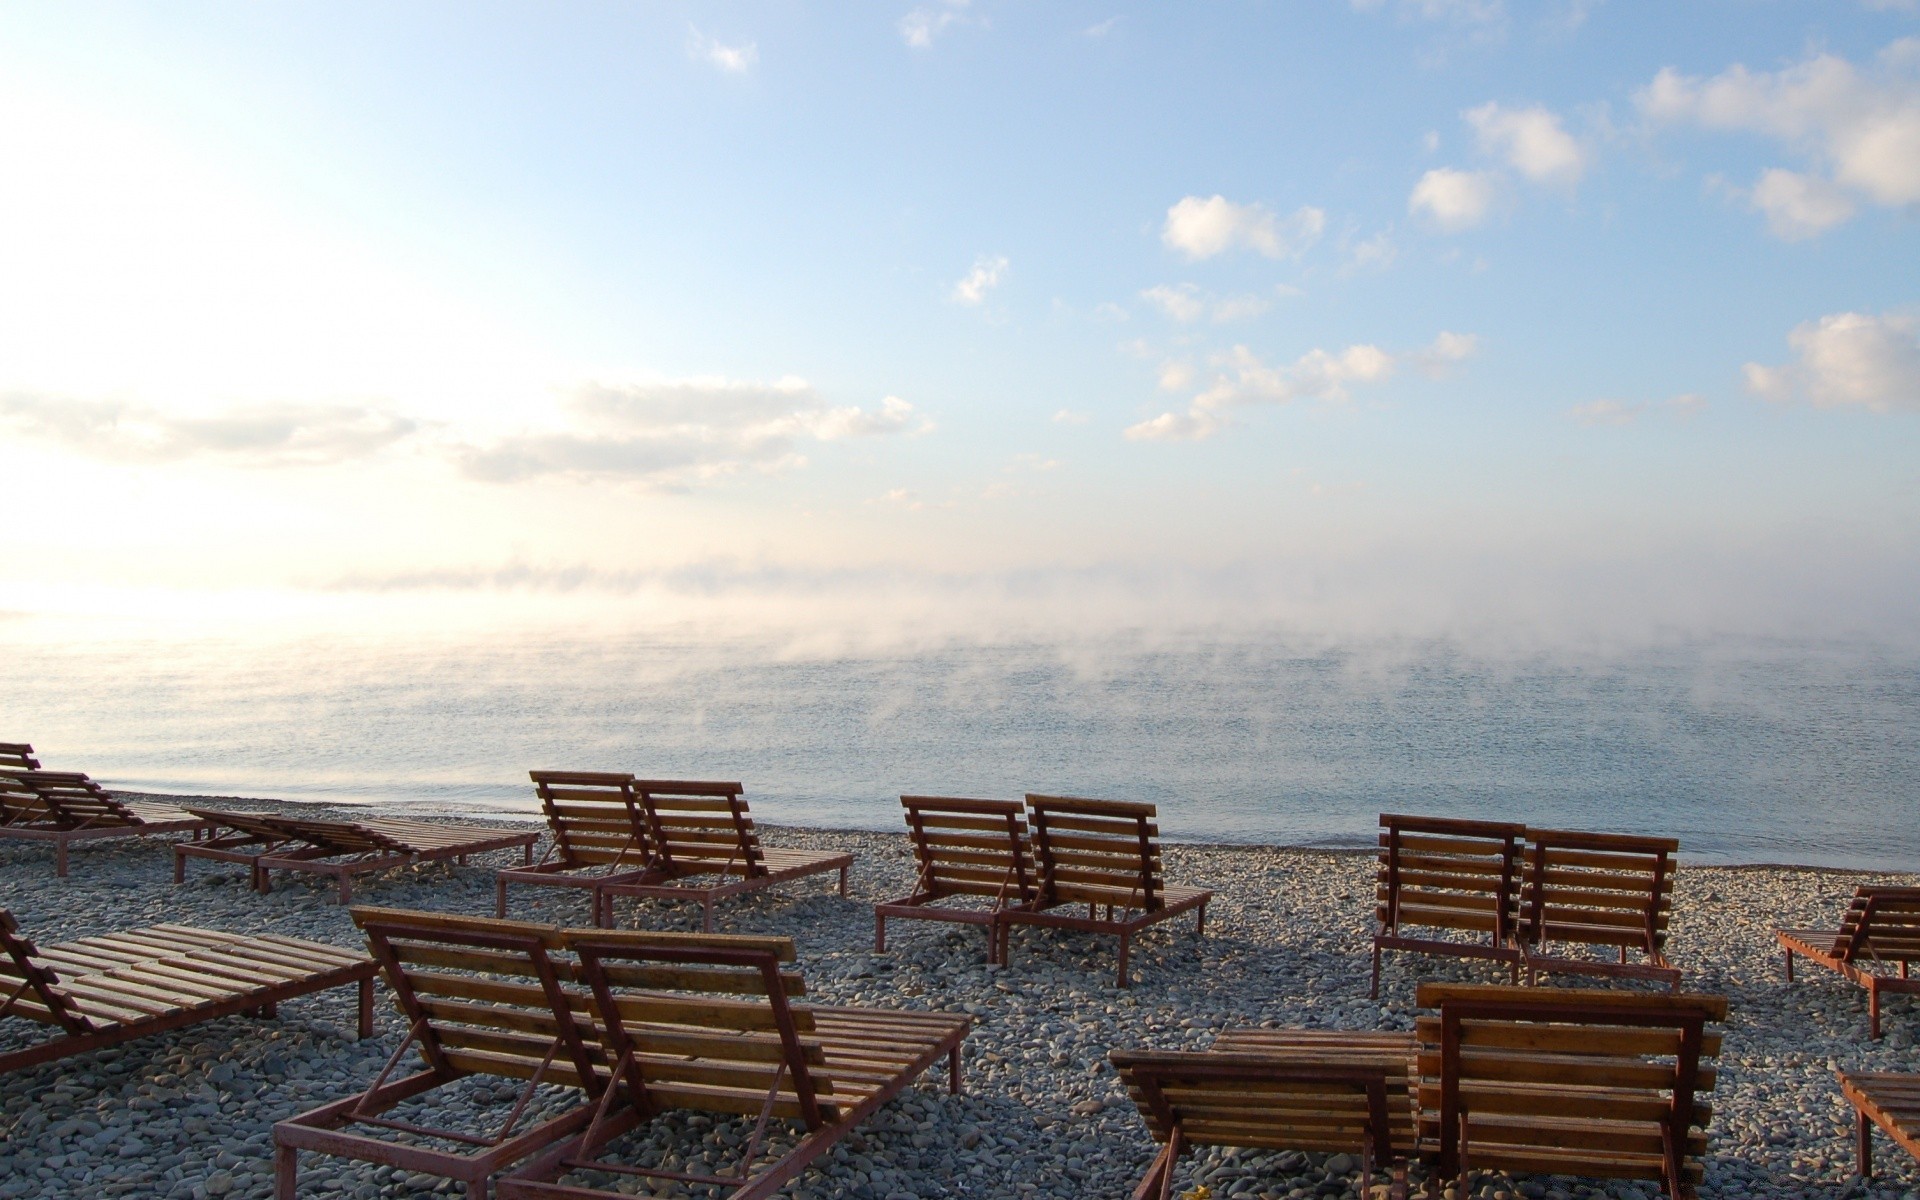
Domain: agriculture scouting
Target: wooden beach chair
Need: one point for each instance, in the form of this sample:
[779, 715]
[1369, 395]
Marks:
[1556, 1081]
[1287, 1101]
[1609, 891]
[599, 835]
[17, 756]
[268, 842]
[1890, 1101]
[481, 997]
[64, 807]
[974, 851]
[697, 829]
[1103, 854]
[1879, 933]
[102, 991]
[694, 1021]
[1458, 880]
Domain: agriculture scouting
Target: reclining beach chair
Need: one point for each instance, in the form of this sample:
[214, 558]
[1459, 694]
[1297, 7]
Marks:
[481, 997]
[1566, 1082]
[1457, 879]
[17, 756]
[1890, 1101]
[698, 829]
[102, 991]
[599, 836]
[267, 842]
[1612, 891]
[696, 1022]
[1880, 931]
[971, 850]
[63, 807]
[1103, 854]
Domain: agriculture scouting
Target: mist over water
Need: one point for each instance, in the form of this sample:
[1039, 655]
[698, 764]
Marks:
[1747, 749]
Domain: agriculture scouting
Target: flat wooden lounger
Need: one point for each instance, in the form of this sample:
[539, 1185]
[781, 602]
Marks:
[102, 991]
[63, 807]
[599, 836]
[1880, 932]
[1566, 1082]
[1610, 891]
[1890, 1101]
[699, 828]
[1458, 879]
[698, 1022]
[1103, 854]
[971, 850]
[267, 842]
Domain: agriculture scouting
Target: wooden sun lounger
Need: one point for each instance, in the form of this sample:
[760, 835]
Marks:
[1566, 1082]
[1453, 877]
[699, 828]
[599, 836]
[1103, 854]
[102, 991]
[704, 1023]
[63, 807]
[1890, 1101]
[17, 756]
[1880, 931]
[267, 842]
[973, 850]
[1612, 891]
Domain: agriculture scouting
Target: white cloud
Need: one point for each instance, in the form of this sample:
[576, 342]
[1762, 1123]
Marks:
[1625, 412]
[920, 27]
[1800, 206]
[1187, 303]
[1103, 28]
[987, 272]
[1531, 140]
[1176, 376]
[1848, 359]
[264, 435]
[737, 60]
[1447, 349]
[1374, 254]
[1453, 200]
[1201, 228]
[1068, 416]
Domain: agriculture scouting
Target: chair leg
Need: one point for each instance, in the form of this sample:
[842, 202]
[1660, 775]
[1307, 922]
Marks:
[1122, 980]
[1789, 966]
[1374, 992]
[843, 883]
[366, 1008]
[1863, 1143]
[706, 922]
[953, 1071]
[1873, 1011]
[880, 935]
[286, 1172]
[60, 857]
[499, 897]
[179, 866]
[346, 888]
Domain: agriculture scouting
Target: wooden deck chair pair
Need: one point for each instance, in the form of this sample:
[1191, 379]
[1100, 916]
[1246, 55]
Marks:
[102, 991]
[1542, 900]
[1540, 1080]
[63, 807]
[637, 1022]
[658, 839]
[1037, 866]
[1875, 947]
[268, 842]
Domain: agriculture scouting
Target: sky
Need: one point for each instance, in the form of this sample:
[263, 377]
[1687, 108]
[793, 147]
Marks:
[1404, 315]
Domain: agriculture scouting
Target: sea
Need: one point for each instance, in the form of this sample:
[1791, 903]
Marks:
[1747, 749]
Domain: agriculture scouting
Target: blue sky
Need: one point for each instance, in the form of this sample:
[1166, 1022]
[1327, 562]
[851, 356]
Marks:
[1396, 311]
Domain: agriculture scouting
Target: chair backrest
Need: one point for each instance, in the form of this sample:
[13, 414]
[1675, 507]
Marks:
[1567, 1081]
[1097, 852]
[489, 997]
[1262, 1102]
[17, 756]
[1448, 873]
[1597, 889]
[341, 837]
[31, 989]
[970, 848]
[75, 802]
[259, 824]
[595, 816]
[20, 804]
[1882, 923]
[699, 826]
[703, 1021]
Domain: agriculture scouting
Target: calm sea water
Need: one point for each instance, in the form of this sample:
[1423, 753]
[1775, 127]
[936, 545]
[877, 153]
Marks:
[1748, 751]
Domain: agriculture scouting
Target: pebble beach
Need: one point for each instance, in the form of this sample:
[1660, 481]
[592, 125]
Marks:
[189, 1114]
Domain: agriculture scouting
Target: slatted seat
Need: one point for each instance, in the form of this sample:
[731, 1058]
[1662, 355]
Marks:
[599, 835]
[1606, 891]
[101, 991]
[17, 756]
[1879, 933]
[697, 829]
[1319, 1098]
[1457, 880]
[709, 1024]
[973, 851]
[267, 842]
[1890, 1101]
[63, 807]
[1566, 1082]
[1104, 854]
